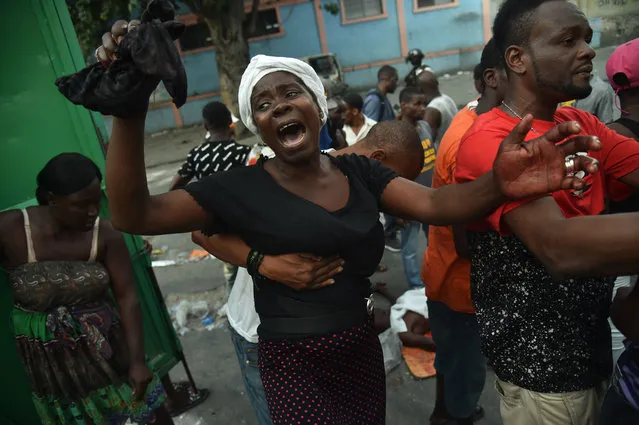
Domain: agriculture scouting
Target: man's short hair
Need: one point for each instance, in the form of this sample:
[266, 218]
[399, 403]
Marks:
[491, 57]
[354, 101]
[386, 72]
[217, 116]
[478, 72]
[514, 22]
[408, 94]
[395, 136]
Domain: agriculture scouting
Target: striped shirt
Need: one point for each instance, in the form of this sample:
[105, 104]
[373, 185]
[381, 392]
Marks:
[213, 157]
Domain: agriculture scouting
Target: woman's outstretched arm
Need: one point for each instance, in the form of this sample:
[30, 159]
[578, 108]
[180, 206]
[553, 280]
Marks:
[133, 209]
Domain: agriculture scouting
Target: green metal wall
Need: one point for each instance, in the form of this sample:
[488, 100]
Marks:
[38, 123]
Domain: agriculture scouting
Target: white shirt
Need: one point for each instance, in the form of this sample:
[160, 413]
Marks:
[240, 308]
[352, 138]
[412, 300]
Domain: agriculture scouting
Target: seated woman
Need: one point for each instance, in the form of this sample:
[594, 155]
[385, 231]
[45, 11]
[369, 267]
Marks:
[319, 356]
[62, 260]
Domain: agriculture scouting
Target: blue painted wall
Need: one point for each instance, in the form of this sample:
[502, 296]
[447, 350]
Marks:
[444, 29]
[300, 36]
[364, 42]
[354, 44]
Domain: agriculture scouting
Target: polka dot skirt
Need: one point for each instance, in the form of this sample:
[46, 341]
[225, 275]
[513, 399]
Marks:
[337, 379]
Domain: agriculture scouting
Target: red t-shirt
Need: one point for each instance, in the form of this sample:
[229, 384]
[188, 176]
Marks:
[618, 157]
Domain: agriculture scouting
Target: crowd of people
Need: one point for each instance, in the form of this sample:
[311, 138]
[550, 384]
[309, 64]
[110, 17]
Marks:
[526, 197]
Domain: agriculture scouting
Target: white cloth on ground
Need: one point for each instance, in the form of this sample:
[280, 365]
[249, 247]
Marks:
[412, 300]
[262, 65]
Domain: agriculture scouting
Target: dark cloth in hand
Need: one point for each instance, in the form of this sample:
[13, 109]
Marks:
[145, 56]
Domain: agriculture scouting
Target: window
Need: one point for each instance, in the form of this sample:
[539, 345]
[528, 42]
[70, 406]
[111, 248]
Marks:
[424, 4]
[196, 36]
[360, 9]
[267, 23]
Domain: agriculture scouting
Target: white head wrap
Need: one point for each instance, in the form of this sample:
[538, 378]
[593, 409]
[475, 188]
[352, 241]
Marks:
[262, 65]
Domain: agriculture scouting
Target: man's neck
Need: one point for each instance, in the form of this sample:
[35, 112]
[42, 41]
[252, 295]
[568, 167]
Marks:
[410, 120]
[382, 88]
[487, 102]
[358, 123]
[520, 102]
[630, 106]
[357, 149]
[217, 137]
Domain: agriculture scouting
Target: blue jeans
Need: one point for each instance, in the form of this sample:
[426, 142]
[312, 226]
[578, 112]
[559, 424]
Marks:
[412, 261]
[459, 358]
[617, 411]
[247, 356]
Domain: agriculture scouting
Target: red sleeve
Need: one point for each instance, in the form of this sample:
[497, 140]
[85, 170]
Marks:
[477, 152]
[619, 156]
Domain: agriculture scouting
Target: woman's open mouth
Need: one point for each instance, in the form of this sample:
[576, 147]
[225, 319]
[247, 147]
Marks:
[291, 134]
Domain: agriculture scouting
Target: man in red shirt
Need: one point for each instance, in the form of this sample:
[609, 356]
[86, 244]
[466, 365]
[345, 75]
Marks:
[461, 367]
[542, 317]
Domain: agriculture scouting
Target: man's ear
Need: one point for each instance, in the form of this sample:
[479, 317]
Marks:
[516, 59]
[378, 154]
[490, 78]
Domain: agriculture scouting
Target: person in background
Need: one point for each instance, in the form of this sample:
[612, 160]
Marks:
[621, 405]
[335, 122]
[356, 124]
[412, 111]
[77, 318]
[408, 317]
[543, 268]
[440, 108]
[600, 103]
[220, 152]
[460, 364]
[415, 58]
[388, 143]
[378, 108]
[376, 104]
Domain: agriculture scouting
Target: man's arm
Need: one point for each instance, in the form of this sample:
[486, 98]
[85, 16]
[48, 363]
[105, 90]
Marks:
[298, 271]
[410, 339]
[604, 245]
[434, 118]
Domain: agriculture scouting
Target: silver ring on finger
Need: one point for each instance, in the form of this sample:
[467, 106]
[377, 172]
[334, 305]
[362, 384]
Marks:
[570, 165]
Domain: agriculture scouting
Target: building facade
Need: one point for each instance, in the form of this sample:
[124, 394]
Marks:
[364, 35]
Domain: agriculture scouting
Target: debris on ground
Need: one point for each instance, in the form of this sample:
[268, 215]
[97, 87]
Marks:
[198, 311]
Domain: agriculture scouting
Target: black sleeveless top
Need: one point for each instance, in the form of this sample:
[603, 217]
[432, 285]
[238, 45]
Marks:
[248, 202]
[631, 203]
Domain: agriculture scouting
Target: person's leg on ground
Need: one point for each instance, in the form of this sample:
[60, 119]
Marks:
[410, 258]
[460, 364]
[247, 354]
